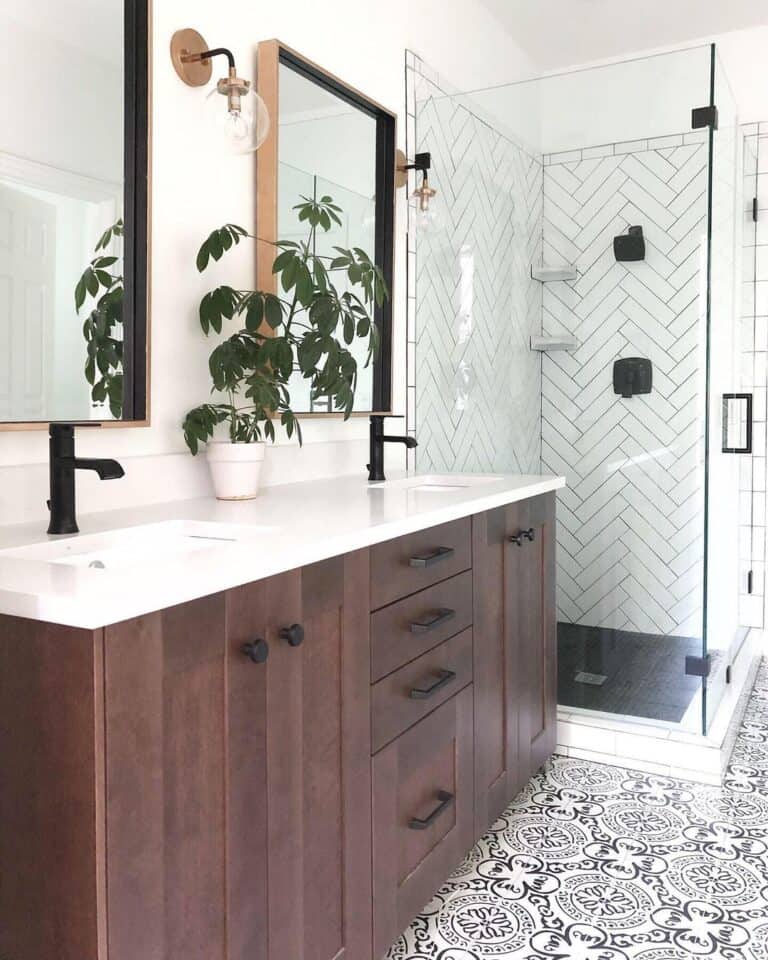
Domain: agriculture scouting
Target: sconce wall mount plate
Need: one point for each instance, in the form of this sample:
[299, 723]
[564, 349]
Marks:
[189, 43]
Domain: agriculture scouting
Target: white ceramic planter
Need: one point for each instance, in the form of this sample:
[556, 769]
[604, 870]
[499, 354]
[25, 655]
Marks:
[235, 469]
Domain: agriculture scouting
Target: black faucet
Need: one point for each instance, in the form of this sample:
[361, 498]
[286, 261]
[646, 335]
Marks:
[63, 464]
[378, 439]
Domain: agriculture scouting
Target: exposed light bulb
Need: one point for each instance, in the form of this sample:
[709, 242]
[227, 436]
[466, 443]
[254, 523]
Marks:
[425, 216]
[239, 117]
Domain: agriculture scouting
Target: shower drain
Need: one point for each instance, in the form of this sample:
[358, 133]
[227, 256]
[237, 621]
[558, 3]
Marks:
[593, 679]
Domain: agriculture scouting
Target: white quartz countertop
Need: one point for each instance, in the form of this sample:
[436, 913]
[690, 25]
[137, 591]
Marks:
[161, 555]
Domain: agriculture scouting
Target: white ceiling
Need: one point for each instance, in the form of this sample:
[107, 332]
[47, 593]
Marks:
[562, 33]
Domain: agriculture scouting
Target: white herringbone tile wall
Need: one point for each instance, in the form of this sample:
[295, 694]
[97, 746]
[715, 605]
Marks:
[631, 521]
[477, 383]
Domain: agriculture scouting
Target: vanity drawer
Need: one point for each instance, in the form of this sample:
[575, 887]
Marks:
[423, 812]
[406, 629]
[410, 693]
[403, 566]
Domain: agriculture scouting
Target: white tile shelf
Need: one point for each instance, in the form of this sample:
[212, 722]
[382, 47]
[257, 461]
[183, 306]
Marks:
[565, 271]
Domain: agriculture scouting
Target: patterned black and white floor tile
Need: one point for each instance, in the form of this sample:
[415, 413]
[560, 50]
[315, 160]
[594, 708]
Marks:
[593, 862]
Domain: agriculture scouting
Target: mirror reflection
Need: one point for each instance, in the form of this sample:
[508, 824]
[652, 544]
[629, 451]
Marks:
[327, 148]
[61, 210]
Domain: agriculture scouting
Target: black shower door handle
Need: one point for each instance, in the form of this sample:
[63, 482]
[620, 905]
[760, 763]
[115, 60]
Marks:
[729, 443]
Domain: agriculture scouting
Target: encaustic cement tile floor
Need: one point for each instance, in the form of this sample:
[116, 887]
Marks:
[593, 862]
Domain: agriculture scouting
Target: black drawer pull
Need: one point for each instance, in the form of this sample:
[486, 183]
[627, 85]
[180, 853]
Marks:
[256, 650]
[517, 538]
[446, 800]
[434, 620]
[428, 559]
[424, 693]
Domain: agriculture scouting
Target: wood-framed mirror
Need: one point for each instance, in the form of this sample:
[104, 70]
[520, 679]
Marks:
[327, 139]
[74, 204]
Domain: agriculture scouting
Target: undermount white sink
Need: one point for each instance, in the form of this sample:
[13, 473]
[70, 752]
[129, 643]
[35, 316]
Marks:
[437, 483]
[145, 545]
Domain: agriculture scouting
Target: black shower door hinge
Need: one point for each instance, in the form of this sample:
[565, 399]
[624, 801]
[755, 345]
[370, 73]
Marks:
[704, 117]
[755, 212]
[750, 581]
[698, 666]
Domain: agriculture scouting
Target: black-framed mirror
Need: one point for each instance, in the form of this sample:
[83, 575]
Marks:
[74, 185]
[328, 140]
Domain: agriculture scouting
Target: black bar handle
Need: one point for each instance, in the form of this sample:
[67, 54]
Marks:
[517, 538]
[256, 650]
[444, 677]
[429, 559]
[435, 620]
[445, 801]
[293, 635]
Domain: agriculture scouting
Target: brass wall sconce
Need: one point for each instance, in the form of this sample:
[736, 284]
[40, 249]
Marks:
[423, 194]
[240, 120]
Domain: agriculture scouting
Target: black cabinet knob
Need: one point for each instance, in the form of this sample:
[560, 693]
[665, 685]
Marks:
[256, 650]
[517, 538]
[294, 635]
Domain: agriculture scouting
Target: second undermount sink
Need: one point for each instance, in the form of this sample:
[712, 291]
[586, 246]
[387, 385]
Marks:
[145, 545]
[438, 483]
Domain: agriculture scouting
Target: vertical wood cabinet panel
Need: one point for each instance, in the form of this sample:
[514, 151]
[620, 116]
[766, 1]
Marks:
[533, 587]
[165, 807]
[299, 844]
[499, 772]
[515, 665]
[52, 883]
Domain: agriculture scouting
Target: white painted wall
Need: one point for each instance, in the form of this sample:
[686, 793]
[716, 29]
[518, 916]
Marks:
[363, 42]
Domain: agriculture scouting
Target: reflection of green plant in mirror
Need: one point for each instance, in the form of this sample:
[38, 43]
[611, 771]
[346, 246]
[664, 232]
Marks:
[297, 325]
[103, 326]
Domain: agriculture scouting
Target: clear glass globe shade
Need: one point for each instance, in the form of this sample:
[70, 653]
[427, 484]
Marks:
[237, 132]
[426, 221]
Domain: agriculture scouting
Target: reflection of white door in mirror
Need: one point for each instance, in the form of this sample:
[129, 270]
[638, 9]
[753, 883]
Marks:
[27, 282]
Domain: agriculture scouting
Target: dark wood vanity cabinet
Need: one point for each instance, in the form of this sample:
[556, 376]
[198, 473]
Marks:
[168, 793]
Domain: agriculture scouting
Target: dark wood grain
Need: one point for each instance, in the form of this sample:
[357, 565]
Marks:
[410, 865]
[392, 641]
[319, 771]
[165, 748]
[51, 793]
[392, 577]
[255, 611]
[394, 710]
[498, 771]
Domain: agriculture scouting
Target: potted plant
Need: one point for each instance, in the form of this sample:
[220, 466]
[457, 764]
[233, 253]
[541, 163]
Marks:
[307, 326]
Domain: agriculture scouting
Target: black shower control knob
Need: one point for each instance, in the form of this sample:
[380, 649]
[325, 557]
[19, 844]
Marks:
[294, 635]
[256, 650]
[530, 535]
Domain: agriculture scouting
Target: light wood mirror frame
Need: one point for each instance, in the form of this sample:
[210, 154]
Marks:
[271, 54]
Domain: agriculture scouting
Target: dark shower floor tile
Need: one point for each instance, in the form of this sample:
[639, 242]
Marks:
[645, 673]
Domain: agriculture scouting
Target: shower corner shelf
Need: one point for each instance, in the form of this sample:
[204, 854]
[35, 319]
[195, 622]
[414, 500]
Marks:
[565, 271]
[551, 344]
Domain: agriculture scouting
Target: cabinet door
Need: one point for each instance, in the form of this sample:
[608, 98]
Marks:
[165, 727]
[530, 590]
[52, 884]
[422, 814]
[499, 773]
[299, 863]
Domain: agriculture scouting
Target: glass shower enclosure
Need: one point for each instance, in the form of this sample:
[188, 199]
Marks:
[573, 311]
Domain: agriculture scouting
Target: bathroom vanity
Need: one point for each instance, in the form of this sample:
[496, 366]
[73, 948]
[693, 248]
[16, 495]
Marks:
[285, 766]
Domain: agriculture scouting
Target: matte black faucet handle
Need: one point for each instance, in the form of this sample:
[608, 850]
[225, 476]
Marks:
[257, 650]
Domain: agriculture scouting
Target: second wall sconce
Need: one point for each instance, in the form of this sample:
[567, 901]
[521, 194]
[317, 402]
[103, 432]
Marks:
[423, 194]
[237, 114]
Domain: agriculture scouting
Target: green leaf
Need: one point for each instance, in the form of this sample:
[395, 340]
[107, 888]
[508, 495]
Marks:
[80, 293]
[255, 312]
[273, 311]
